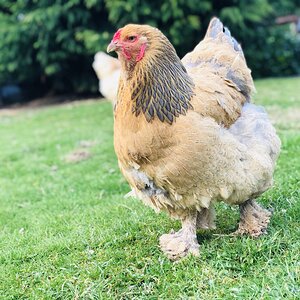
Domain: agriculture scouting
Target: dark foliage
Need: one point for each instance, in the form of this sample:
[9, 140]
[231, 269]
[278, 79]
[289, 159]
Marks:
[49, 45]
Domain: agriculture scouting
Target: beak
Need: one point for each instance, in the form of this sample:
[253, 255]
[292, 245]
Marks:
[113, 46]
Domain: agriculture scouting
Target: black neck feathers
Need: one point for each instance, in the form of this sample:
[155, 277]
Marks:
[161, 88]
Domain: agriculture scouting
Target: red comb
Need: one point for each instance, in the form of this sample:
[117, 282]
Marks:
[117, 35]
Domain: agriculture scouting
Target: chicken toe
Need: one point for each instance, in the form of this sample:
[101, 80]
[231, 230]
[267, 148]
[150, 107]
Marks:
[179, 244]
[254, 219]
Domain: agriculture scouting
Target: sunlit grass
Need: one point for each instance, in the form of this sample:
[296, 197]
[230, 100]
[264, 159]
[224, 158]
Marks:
[67, 232]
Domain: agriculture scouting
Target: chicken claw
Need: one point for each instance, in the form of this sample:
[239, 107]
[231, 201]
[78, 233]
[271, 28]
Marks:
[254, 219]
[176, 245]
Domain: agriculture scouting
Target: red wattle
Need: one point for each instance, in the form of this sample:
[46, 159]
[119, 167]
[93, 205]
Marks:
[126, 54]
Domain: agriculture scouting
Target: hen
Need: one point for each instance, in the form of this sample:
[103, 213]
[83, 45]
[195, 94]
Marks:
[108, 71]
[186, 135]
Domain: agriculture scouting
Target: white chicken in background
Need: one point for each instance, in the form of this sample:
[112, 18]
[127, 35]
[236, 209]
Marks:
[108, 71]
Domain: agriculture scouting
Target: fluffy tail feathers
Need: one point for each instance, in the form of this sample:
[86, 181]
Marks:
[217, 30]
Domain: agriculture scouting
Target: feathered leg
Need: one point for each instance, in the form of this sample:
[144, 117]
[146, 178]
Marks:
[178, 244]
[254, 219]
[206, 218]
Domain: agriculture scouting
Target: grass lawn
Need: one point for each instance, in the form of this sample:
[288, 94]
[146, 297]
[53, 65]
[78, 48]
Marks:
[67, 232]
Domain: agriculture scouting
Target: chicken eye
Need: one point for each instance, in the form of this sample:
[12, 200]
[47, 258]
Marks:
[131, 38]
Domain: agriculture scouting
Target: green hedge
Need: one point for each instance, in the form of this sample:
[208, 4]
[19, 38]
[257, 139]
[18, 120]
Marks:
[49, 45]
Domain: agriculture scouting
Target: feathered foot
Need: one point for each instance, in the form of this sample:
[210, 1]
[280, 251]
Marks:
[254, 219]
[206, 218]
[178, 244]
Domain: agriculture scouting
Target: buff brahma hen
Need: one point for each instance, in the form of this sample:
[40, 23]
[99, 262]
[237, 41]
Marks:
[186, 135]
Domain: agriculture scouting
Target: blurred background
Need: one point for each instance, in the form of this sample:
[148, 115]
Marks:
[47, 47]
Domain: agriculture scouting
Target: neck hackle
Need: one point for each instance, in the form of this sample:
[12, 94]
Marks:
[160, 85]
